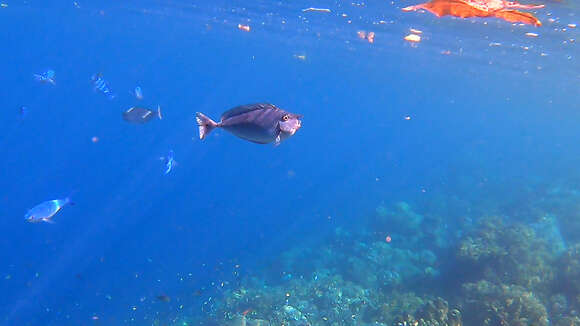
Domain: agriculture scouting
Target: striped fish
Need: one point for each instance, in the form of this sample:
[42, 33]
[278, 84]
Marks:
[46, 77]
[101, 85]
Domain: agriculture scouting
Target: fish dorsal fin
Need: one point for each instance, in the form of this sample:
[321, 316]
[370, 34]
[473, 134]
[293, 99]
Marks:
[238, 110]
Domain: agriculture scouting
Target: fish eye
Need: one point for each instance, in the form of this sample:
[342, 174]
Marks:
[285, 118]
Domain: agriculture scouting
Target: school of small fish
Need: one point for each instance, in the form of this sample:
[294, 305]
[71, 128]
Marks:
[260, 123]
[265, 123]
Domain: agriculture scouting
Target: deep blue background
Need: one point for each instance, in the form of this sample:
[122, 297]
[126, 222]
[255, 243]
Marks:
[480, 113]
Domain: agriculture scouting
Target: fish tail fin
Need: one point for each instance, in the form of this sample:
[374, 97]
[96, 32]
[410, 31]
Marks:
[206, 125]
[159, 112]
[68, 201]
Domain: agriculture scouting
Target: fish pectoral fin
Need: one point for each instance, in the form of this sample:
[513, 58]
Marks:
[277, 140]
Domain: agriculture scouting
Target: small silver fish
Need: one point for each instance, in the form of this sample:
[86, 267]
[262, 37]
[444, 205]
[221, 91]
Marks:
[260, 123]
[141, 115]
[44, 212]
[138, 93]
[169, 162]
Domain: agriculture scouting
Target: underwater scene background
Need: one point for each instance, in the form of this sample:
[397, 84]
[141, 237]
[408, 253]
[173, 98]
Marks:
[435, 179]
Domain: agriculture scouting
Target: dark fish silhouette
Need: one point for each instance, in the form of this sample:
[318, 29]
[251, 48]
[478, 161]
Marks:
[23, 112]
[163, 298]
[141, 115]
[260, 123]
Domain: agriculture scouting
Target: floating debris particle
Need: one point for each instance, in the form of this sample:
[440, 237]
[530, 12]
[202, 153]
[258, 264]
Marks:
[494, 44]
[95, 139]
[446, 52]
[300, 57]
[312, 9]
[407, 117]
[530, 34]
[370, 36]
[413, 38]
[245, 28]
[415, 31]
[572, 25]
[245, 312]
[3, 5]
[388, 239]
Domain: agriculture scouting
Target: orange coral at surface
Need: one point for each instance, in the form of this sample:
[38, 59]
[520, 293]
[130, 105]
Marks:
[478, 8]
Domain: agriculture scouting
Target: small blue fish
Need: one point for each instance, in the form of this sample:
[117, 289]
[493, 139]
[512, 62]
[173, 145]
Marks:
[169, 162]
[138, 93]
[101, 85]
[23, 112]
[44, 212]
[46, 77]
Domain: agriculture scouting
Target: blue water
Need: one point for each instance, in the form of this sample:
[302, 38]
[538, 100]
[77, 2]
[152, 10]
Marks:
[490, 124]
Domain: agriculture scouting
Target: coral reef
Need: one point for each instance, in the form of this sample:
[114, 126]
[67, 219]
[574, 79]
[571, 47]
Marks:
[491, 304]
[507, 254]
[496, 271]
[434, 312]
[569, 272]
